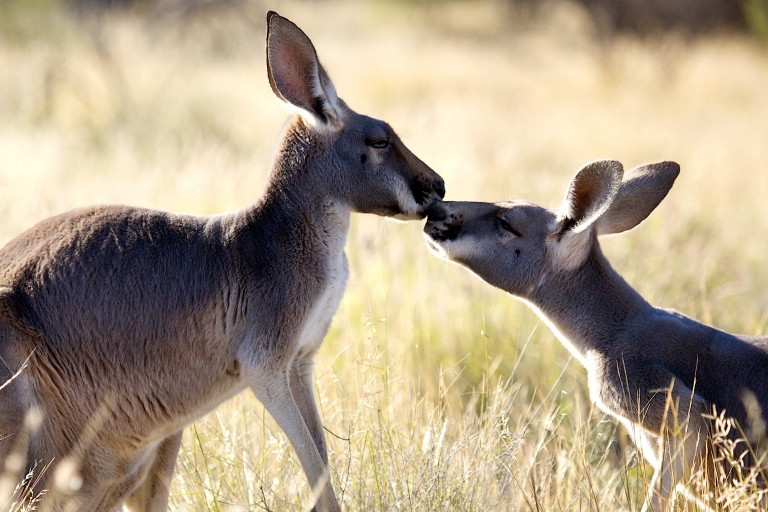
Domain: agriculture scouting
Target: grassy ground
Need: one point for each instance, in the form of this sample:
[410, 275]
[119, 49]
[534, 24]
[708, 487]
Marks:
[439, 392]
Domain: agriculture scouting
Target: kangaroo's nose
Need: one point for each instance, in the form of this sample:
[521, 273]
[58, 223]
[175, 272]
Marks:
[437, 211]
[439, 188]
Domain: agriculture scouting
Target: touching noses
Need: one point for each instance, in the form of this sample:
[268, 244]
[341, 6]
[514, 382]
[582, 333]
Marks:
[438, 211]
[442, 223]
[431, 190]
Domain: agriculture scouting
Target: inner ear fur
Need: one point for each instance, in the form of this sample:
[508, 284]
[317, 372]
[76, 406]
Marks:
[589, 195]
[641, 191]
[294, 71]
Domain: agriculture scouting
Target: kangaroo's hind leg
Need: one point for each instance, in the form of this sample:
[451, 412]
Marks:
[21, 413]
[152, 493]
[18, 419]
[17, 426]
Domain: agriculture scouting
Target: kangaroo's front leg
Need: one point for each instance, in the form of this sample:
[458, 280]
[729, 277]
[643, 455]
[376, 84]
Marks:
[272, 387]
[665, 418]
[682, 449]
[301, 389]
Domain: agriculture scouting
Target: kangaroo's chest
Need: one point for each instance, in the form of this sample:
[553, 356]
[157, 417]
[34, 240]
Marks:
[320, 312]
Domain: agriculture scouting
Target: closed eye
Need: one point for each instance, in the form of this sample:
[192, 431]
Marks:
[380, 144]
[507, 227]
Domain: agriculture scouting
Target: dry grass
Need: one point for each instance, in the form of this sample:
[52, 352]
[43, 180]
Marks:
[440, 392]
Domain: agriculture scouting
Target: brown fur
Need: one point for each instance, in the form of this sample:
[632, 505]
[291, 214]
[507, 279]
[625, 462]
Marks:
[134, 322]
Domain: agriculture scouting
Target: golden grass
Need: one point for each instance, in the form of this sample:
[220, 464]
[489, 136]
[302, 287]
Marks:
[441, 393]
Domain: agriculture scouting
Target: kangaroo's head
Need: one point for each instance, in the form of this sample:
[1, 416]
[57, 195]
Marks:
[358, 159]
[514, 245]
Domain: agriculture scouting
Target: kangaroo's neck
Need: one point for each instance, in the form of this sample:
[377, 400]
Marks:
[299, 176]
[299, 209]
[589, 306]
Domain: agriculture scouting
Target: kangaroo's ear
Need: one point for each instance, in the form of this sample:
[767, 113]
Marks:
[295, 73]
[589, 195]
[640, 193]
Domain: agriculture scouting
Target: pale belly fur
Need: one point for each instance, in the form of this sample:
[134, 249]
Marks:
[319, 318]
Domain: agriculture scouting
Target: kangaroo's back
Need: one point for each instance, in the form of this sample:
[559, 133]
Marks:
[87, 275]
[720, 366]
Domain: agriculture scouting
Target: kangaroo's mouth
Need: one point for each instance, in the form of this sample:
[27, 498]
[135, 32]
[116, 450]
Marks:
[441, 228]
[420, 211]
[435, 247]
[439, 231]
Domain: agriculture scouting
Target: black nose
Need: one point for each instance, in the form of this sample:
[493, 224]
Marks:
[439, 188]
[437, 211]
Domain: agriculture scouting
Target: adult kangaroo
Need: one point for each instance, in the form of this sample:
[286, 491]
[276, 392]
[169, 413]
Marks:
[658, 372]
[133, 322]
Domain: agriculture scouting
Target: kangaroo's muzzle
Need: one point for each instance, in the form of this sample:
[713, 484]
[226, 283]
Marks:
[442, 224]
[429, 191]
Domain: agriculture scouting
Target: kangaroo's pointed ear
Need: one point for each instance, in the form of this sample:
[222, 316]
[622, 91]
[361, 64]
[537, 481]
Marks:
[295, 73]
[640, 193]
[589, 195]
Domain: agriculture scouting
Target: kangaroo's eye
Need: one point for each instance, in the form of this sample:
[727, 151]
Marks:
[380, 144]
[507, 227]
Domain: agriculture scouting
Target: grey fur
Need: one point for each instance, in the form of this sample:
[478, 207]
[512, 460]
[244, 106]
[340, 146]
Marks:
[134, 322]
[636, 355]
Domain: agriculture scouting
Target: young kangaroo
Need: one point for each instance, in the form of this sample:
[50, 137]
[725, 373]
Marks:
[132, 322]
[637, 356]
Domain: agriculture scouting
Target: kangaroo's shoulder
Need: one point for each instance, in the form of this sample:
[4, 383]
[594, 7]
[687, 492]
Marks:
[673, 324]
[666, 325]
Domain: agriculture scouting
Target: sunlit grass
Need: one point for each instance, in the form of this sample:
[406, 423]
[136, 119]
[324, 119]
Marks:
[439, 392]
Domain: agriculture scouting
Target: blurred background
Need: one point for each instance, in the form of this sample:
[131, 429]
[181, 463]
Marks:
[438, 391]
